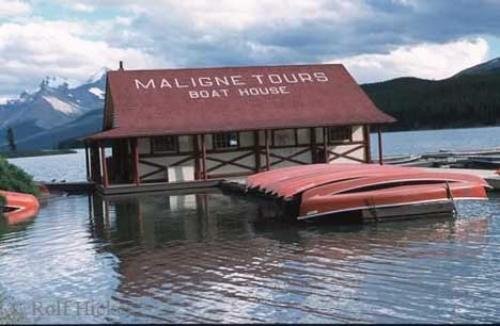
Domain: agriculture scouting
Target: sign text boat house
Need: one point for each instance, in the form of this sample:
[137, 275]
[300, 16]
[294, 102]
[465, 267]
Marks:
[198, 124]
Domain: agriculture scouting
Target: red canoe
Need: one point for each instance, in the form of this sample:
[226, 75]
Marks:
[19, 207]
[373, 191]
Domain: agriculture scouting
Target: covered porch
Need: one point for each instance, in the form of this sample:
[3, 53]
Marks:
[115, 163]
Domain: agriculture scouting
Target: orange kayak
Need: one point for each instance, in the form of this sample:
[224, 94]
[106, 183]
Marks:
[19, 207]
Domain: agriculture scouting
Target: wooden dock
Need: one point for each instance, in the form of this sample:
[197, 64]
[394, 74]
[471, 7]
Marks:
[122, 189]
[73, 188]
[76, 188]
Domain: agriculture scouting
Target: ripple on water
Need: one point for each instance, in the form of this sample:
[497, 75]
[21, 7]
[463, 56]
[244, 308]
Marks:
[210, 258]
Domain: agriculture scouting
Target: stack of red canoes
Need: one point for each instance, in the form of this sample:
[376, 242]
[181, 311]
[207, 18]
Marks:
[19, 207]
[373, 190]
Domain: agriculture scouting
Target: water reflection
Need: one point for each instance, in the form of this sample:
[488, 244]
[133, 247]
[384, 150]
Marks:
[215, 258]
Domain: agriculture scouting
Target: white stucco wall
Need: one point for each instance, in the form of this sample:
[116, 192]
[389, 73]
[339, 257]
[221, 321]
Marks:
[185, 172]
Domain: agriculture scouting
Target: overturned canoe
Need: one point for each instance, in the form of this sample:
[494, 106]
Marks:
[369, 190]
[19, 207]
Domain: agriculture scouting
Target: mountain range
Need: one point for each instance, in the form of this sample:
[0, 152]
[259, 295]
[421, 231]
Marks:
[57, 114]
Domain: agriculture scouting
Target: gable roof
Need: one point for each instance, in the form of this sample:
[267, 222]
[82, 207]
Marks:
[204, 100]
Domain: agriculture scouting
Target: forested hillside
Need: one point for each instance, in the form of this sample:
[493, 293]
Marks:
[461, 101]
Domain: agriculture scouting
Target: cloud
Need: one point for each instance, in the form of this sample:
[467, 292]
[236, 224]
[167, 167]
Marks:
[31, 51]
[12, 8]
[78, 6]
[430, 61]
[207, 33]
[377, 38]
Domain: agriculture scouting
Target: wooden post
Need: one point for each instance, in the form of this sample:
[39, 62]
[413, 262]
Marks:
[266, 139]
[135, 157]
[105, 181]
[312, 139]
[196, 156]
[366, 135]
[204, 157]
[95, 163]
[325, 144]
[380, 155]
[256, 144]
[87, 164]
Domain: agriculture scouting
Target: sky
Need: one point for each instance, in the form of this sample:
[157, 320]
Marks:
[376, 39]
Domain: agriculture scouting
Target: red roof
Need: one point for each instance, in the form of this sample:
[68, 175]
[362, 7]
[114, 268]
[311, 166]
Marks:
[189, 101]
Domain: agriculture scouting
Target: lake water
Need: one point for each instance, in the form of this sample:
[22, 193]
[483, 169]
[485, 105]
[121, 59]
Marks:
[210, 257]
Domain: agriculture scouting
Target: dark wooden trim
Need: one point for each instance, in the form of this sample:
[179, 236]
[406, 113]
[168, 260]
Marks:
[152, 180]
[135, 160]
[312, 144]
[344, 154]
[196, 154]
[95, 163]
[87, 164]
[266, 139]
[380, 153]
[366, 136]
[229, 175]
[256, 150]
[325, 145]
[204, 157]
[232, 161]
[356, 142]
[153, 164]
[229, 150]
[184, 160]
[290, 146]
[159, 168]
[209, 151]
[105, 180]
[147, 175]
[289, 158]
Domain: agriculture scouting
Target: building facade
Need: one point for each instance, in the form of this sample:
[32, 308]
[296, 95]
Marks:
[199, 124]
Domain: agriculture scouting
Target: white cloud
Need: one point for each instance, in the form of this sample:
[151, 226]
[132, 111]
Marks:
[242, 14]
[430, 61]
[13, 8]
[237, 15]
[29, 52]
[82, 7]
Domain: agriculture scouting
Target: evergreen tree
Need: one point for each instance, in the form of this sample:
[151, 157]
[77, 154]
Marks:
[10, 140]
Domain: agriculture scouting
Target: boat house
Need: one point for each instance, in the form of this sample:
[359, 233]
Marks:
[186, 125]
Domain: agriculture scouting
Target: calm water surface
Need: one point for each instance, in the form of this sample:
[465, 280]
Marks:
[215, 258]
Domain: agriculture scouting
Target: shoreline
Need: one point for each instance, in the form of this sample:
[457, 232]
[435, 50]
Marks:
[36, 153]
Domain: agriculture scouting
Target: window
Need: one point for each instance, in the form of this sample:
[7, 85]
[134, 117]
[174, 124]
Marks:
[225, 140]
[284, 137]
[339, 134]
[164, 144]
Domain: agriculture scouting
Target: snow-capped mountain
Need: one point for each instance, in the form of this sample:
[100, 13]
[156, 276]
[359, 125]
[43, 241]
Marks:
[55, 104]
